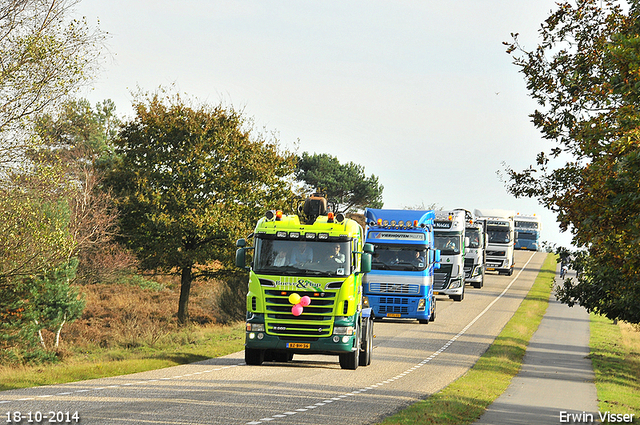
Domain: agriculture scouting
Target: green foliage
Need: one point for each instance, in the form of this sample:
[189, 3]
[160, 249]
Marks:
[44, 56]
[77, 134]
[585, 76]
[345, 185]
[34, 231]
[44, 302]
[52, 299]
[189, 181]
[615, 354]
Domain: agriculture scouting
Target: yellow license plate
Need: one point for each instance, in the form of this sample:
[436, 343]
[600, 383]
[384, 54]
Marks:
[393, 315]
[298, 345]
[491, 268]
[437, 293]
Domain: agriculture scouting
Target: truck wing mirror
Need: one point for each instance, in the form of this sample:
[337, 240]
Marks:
[241, 258]
[436, 265]
[365, 263]
[368, 248]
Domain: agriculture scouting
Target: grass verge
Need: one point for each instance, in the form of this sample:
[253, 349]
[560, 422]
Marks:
[615, 354]
[466, 399]
[193, 344]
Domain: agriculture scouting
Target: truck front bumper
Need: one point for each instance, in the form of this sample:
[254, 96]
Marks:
[335, 344]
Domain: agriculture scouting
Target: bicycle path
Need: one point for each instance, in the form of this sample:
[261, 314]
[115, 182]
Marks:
[556, 382]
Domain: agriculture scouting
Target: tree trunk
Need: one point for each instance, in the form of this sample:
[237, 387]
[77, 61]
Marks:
[185, 288]
[60, 330]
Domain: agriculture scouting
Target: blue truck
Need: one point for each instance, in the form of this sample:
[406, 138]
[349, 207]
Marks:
[400, 283]
[527, 232]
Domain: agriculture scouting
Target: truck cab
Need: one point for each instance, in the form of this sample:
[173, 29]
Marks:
[305, 287]
[475, 231]
[400, 283]
[450, 239]
[501, 239]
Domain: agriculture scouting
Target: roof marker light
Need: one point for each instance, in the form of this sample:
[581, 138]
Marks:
[278, 215]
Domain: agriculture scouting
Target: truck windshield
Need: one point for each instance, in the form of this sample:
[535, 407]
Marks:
[498, 235]
[302, 258]
[474, 237]
[398, 257]
[448, 244]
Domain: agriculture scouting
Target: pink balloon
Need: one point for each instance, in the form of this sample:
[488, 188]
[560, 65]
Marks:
[296, 310]
[305, 301]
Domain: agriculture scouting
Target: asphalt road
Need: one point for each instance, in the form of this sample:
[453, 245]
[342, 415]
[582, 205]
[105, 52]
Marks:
[410, 361]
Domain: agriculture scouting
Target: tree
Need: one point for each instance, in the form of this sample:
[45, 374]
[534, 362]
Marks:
[189, 181]
[79, 138]
[345, 185]
[34, 230]
[585, 75]
[44, 56]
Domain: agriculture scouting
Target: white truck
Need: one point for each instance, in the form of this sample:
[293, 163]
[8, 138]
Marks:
[449, 236]
[475, 257]
[501, 238]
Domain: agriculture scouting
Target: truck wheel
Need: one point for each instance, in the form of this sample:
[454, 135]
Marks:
[365, 353]
[350, 360]
[253, 356]
[481, 281]
[433, 310]
[458, 297]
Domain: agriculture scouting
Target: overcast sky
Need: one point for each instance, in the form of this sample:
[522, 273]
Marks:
[421, 93]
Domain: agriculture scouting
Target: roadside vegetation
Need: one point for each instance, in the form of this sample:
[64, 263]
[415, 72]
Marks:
[466, 399]
[615, 353]
[126, 328]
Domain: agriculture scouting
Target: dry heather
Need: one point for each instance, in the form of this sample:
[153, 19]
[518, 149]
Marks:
[127, 315]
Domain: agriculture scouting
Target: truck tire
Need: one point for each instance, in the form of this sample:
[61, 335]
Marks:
[480, 284]
[458, 297]
[433, 310]
[253, 356]
[350, 360]
[367, 345]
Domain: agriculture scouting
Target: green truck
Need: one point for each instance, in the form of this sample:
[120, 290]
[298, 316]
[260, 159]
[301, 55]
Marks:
[305, 287]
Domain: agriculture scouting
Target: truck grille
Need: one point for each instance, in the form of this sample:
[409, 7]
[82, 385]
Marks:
[315, 320]
[395, 288]
[393, 305]
[384, 309]
[496, 253]
[468, 267]
[441, 277]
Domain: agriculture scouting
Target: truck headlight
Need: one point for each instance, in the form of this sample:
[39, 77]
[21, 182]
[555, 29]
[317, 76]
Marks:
[255, 327]
[343, 330]
[422, 303]
[365, 302]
